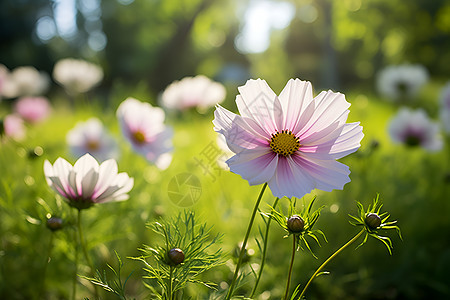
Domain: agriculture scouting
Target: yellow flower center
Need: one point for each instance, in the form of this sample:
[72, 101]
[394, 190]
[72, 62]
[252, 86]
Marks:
[93, 145]
[139, 137]
[284, 143]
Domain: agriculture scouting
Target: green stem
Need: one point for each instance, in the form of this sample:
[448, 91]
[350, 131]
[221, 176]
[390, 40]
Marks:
[86, 256]
[244, 243]
[294, 248]
[75, 276]
[328, 260]
[170, 296]
[263, 258]
[44, 271]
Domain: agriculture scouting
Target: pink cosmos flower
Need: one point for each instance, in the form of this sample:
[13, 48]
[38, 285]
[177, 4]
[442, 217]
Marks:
[87, 182]
[14, 127]
[93, 138]
[33, 109]
[414, 128]
[198, 91]
[291, 141]
[143, 126]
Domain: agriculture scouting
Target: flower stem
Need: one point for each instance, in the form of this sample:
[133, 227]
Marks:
[83, 247]
[288, 282]
[170, 293]
[75, 276]
[263, 258]
[244, 243]
[44, 271]
[328, 260]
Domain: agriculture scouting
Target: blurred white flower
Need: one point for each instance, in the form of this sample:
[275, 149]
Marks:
[414, 128]
[76, 75]
[198, 91]
[4, 73]
[143, 126]
[14, 127]
[25, 81]
[401, 82]
[33, 109]
[93, 138]
[86, 182]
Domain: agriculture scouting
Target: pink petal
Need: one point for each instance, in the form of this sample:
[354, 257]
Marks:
[257, 166]
[327, 174]
[290, 180]
[237, 132]
[330, 108]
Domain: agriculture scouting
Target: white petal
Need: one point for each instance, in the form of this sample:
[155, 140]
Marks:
[258, 102]
[107, 173]
[294, 98]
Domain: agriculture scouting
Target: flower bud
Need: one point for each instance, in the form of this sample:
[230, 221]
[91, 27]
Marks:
[373, 220]
[176, 256]
[295, 224]
[54, 223]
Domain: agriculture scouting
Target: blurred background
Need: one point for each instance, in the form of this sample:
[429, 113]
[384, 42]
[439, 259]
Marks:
[142, 46]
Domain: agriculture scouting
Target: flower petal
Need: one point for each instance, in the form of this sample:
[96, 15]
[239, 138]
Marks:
[258, 102]
[107, 173]
[289, 180]
[294, 98]
[257, 166]
[237, 132]
[327, 174]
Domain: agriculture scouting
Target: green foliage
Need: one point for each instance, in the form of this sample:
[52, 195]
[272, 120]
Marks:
[115, 286]
[182, 232]
[310, 219]
[375, 208]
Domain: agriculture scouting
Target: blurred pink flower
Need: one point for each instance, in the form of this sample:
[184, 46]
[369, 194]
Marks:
[92, 137]
[291, 141]
[76, 75]
[25, 81]
[198, 91]
[414, 128]
[14, 127]
[87, 182]
[143, 126]
[33, 109]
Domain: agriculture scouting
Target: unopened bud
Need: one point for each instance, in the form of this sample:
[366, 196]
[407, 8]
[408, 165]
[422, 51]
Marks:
[373, 220]
[54, 223]
[295, 224]
[176, 256]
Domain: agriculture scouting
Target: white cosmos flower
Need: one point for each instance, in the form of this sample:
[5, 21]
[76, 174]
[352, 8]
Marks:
[76, 75]
[92, 137]
[198, 91]
[87, 182]
[143, 126]
[402, 81]
[25, 81]
[414, 128]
